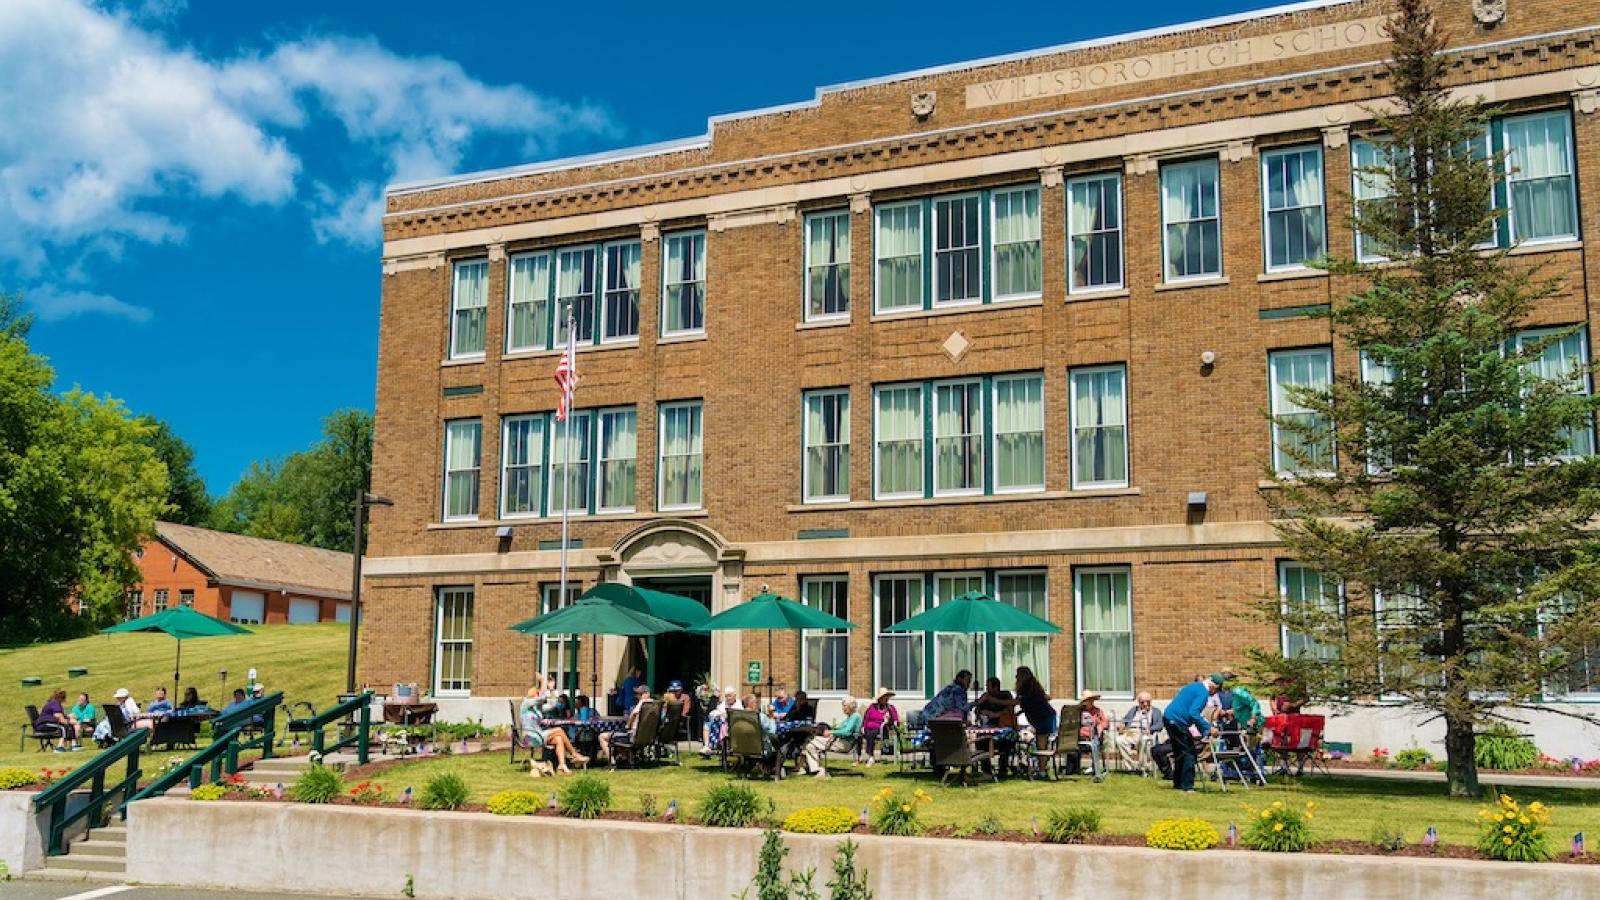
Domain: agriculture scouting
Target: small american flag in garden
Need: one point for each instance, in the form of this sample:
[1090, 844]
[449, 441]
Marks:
[567, 380]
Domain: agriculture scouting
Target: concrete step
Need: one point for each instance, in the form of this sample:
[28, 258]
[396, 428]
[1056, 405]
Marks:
[55, 873]
[113, 864]
[95, 846]
[281, 764]
[110, 833]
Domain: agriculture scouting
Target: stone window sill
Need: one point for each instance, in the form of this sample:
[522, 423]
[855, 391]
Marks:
[822, 323]
[636, 516]
[1109, 294]
[1291, 275]
[957, 310]
[1197, 283]
[1019, 497]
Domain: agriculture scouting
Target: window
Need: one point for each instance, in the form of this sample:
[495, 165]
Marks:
[528, 312]
[621, 297]
[463, 445]
[681, 455]
[1191, 220]
[1027, 592]
[135, 604]
[1105, 629]
[1302, 442]
[469, 308]
[1402, 618]
[1370, 166]
[576, 277]
[571, 457]
[827, 446]
[619, 450]
[558, 653]
[594, 280]
[1018, 270]
[452, 661]
[828, 265]
[683, 284]
[1303, 590]
[957, 250]
[1099, 412]
[161, 599]
[1564, 361]
[522, 466]
[1581, 678]
[1018, 433]
[897, 656]
[1094, 232]
[1542, 192]
[186, 598]
[1377, 373]
[898, 247]
[825, 654]
[898, 442]
[954, 652]
[958, 437]
[1291, 182]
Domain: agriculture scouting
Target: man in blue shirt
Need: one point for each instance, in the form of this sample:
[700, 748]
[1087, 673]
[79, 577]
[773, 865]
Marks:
[630, 688]
[1188, 711]
[951, 702]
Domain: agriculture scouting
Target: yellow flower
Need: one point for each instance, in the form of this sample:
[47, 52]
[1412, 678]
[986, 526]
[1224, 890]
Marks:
[906, 807]
[1524, 820]
[1278, 827]
[1277, 804]
[1508, 829]
[1266, 814]
[1507, 841]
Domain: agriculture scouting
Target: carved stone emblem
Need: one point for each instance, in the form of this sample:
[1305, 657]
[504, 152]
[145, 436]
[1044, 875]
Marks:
[1489, 12]
[956, 346]
[922, 103]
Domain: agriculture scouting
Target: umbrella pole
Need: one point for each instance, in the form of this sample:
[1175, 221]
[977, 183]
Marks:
[177, 667]
[594, 674]
[769, 666]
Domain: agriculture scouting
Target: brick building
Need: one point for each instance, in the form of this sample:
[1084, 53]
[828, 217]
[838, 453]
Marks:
[242, 579]
[1011, 324]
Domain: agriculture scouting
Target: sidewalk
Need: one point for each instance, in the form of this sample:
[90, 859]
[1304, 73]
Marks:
[1539, 781]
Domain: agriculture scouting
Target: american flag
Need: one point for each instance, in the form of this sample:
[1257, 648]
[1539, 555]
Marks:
[567, 380]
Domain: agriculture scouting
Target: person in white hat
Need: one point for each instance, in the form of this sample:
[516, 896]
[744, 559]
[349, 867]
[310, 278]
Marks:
[878, 724]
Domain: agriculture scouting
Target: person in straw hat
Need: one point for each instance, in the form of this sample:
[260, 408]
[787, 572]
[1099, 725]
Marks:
[1092, 726]
[877, 725]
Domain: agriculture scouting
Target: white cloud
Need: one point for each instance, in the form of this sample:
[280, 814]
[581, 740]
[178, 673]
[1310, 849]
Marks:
[53, 305]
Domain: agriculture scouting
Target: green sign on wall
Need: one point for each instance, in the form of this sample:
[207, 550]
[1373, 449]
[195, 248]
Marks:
[752, 672]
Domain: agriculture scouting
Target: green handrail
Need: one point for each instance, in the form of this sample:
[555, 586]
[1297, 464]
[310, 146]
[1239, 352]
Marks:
[56, 795]
[193, 768]
[361, 705]
[266, 709]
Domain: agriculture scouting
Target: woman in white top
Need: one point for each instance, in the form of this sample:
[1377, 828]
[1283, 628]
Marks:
[530, 712]
[717, 722]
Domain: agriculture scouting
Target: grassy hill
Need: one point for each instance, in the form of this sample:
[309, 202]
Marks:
[306, 662]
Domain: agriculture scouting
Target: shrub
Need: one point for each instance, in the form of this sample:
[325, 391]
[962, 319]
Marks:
[821, 820]
[1502, 748]
[1380, 756]
[367, 794]
[1388, 838]
[1071, 824]
[647, 805]
[515, 803]
[208, 792]
[1514, 833]
[1279, 828]
[730, 805]
[898, 814]
[585, 797]
[1412, 758]
[846, 883]
[989, 824]
[318, 784]
[15, 777]
[446, 790]
[1182, 834]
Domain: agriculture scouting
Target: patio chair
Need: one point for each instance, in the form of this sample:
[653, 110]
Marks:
[953, 752]
[29, 732]
[749, 745]
[635, 747]
[1043, 756]
[672, 725]
[518, 741]
[119, 724]
[175, 733]
[1296, 735]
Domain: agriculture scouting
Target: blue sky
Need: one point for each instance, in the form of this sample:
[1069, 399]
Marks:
[189, 191]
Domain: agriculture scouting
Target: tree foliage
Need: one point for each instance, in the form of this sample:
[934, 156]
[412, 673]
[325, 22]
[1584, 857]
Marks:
[307, 497]
[187, 500]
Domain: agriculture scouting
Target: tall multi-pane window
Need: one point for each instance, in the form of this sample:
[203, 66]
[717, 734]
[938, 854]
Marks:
[589, 467]
[1291, 182]
[1543, 193]
[463, 446]
[897, 656]
[452, 659]
[898, 248]
[957, 254]
[621, 298]
[825, 654]
[958, 437]
[828, 265]
[521, 465]
[135, 604]
[954, 652]
[1369, 165]
[469, 308]
[1105, 629]
[1099, 413]
[1564, 361]
[898, 441]
[571, 455]
[683, 283]
[558, 653]
[826, 461]
[186, 598]
[528, 299]
[1019, 433]
[1191, 220]
[1302, 439]
[619, 451]
[1018, 269]
[1028, 592]
[576, 276]
[1299, 587]
[682, 451]
[162, 599]
[1377, 373]
[1094, 232]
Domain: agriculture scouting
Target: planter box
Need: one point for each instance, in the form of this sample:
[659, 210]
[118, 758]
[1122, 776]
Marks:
[362, 850]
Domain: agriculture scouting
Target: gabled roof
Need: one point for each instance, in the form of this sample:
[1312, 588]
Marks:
[238, 560]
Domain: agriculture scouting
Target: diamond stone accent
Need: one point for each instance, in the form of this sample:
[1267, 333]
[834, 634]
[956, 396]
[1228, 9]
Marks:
[956, 346]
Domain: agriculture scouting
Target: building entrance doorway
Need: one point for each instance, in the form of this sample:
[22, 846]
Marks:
[681, 656]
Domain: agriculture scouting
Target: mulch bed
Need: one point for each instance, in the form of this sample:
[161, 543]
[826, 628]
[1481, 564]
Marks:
[1369, 765]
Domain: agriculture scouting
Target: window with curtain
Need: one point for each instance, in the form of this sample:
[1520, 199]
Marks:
[825, 654]
[898, 247]
[1018, 268]
[558, 653]
[1540, 184]
[463, 444]
[1099, 411]
[1019, 433]
[576, 277]
[1564, 361]
[681, 455]
[162, 598]
[1308, 448]
[1105, 629]
[1291, 182]
[469, 308]
[1402, 614]
[619, 450]
[958, 437]
[1094, 232]
[957, 253]
[1580, 678]
[1299, 587]
[522, 465]
[621, 291]
[528, 309]
[1371, 187]
[954, 652]
[186, 598]
[1191, 220]
[898, 441]
[683, 283]
[827, 446]
[828, 265]
[571, 455]
[1028, 592]
[452, 660]
[896, 656]
[1376, 372]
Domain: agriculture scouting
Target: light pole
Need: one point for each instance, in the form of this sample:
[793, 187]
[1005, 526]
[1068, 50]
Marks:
[363, 501]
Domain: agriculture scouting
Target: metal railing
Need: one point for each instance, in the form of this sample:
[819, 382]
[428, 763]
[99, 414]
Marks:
[353, 734]
[55, 797]
[194, 767]
[245, 720]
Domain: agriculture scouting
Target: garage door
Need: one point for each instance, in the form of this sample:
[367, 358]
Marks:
[341, 613]
[247, 608]
[303, 611]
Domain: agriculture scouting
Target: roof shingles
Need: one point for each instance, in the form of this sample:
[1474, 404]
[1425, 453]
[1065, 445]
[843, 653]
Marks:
[239, 559]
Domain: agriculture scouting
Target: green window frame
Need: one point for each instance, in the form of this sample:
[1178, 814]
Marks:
[941, 439]
[598, 281]
[945, 250]
[469, 308]
[604, 461]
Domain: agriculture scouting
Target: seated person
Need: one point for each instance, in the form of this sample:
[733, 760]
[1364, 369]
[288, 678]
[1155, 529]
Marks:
[191, 700]
[951, 702]
[847, 732]
[1091, 728]
[160, 706]
[803, 710]
[583, 712]
[1142, 728]
[641, 695]
[769, 725]
[716, 730]
[538, 740]
[677, 696]
[781, 705]
[996, 707]
[83, 714]
[878, 724]
[239, 699]
[53, 721]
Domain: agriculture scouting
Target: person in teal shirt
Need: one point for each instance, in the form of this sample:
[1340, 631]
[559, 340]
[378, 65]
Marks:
[84, 714]
[847, 731]
[1247, 710]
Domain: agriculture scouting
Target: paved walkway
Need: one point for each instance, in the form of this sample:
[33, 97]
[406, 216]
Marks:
[1495, 778]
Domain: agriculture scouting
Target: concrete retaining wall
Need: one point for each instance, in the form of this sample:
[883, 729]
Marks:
[22, 832]
[355, 850]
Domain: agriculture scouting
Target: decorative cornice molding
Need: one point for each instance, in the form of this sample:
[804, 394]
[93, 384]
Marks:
[861, 202]
[1336, 136]
[1140, 164]
[1586, 102]
[781, 214]
[497, 252]
[1050, 176]
[650, 232]
[1238, 151]
[418, 261]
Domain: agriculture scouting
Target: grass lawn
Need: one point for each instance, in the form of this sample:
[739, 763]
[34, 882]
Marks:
[306, 662]
[1349, 807]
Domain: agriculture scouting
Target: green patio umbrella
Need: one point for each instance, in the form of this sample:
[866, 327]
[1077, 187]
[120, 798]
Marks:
[678, 610]
[183, 623]
[769, 612]
[596, 616]
[976, 613]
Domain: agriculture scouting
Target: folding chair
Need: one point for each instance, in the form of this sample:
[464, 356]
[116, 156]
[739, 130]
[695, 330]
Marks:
[749, 745]
[953, 752]
[1296, 735]
[31, 732]
[517, 740]
[636, 746]
[1043, 756]
[671, 734]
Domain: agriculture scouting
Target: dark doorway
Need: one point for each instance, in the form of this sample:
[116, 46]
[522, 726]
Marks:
[682, 657]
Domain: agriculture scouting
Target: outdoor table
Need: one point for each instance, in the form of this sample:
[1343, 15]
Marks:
[409, 713]
[586, 735]
[790, 737]
[1002, 739]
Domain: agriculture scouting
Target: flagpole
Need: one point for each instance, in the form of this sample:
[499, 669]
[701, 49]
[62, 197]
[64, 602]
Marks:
[566, 470]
